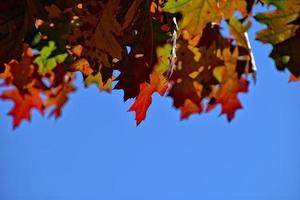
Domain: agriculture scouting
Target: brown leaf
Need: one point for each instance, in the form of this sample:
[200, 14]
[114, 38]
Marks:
[97, 34]
[141, 38]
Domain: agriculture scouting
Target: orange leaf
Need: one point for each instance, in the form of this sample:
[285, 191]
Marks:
[23, 105]
[228, 97]
[189, 108]
[59, 98]
[142, 102]
[230, 85]
[294, 78]
[6, 76]
[157, 84]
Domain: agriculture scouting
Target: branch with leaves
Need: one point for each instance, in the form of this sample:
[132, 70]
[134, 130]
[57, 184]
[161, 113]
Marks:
[172, 47]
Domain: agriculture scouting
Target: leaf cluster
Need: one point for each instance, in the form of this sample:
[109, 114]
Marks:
[175, 48]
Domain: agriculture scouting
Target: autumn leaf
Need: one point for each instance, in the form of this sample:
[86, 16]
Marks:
[83, 66]
[283, 33]
[197, 14]
[144, 100]
[141, 40]
[238, 31]
[193, 79]
[246, 62]
[195, 76]
[46, 62]
[158, 83]
[97, 79]
[58, 96]
[20, 73]
[23, 104]
[6, 76]
[230, 85]
[294, 79]
[97, 34]
[158, 46]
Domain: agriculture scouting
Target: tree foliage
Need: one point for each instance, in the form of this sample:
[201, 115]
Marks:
[173, 47]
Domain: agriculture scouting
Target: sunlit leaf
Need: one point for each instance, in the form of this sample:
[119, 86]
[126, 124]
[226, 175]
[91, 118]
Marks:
[176, 48]
[283, 33]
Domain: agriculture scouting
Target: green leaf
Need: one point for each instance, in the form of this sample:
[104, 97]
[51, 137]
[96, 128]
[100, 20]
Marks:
[283, 33]
[47, 63]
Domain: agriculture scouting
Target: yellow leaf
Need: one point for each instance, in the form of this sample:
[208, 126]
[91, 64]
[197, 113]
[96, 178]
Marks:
[97, 79]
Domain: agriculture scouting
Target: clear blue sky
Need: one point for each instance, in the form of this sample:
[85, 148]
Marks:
[95, 151]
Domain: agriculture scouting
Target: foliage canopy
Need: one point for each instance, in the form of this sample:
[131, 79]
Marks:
[172, 47]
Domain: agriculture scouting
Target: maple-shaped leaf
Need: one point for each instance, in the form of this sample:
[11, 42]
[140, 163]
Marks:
[197, 14]
[83, 66]
[20, 73]
[23, 104]
[193, 77]
[173, 46]
[283, 33]
[58, 96]
[158, 83]
[230, 85]
[24, 74]
[97, 79]
[46, 62]
[141, 39]
[97, 33]
[90, 78]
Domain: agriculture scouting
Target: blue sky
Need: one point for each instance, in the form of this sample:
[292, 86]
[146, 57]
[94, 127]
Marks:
[95, 150]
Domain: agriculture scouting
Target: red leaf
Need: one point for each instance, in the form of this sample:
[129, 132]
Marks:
[294, 78]
[23, 105]
[144, 99]
[142, 102]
